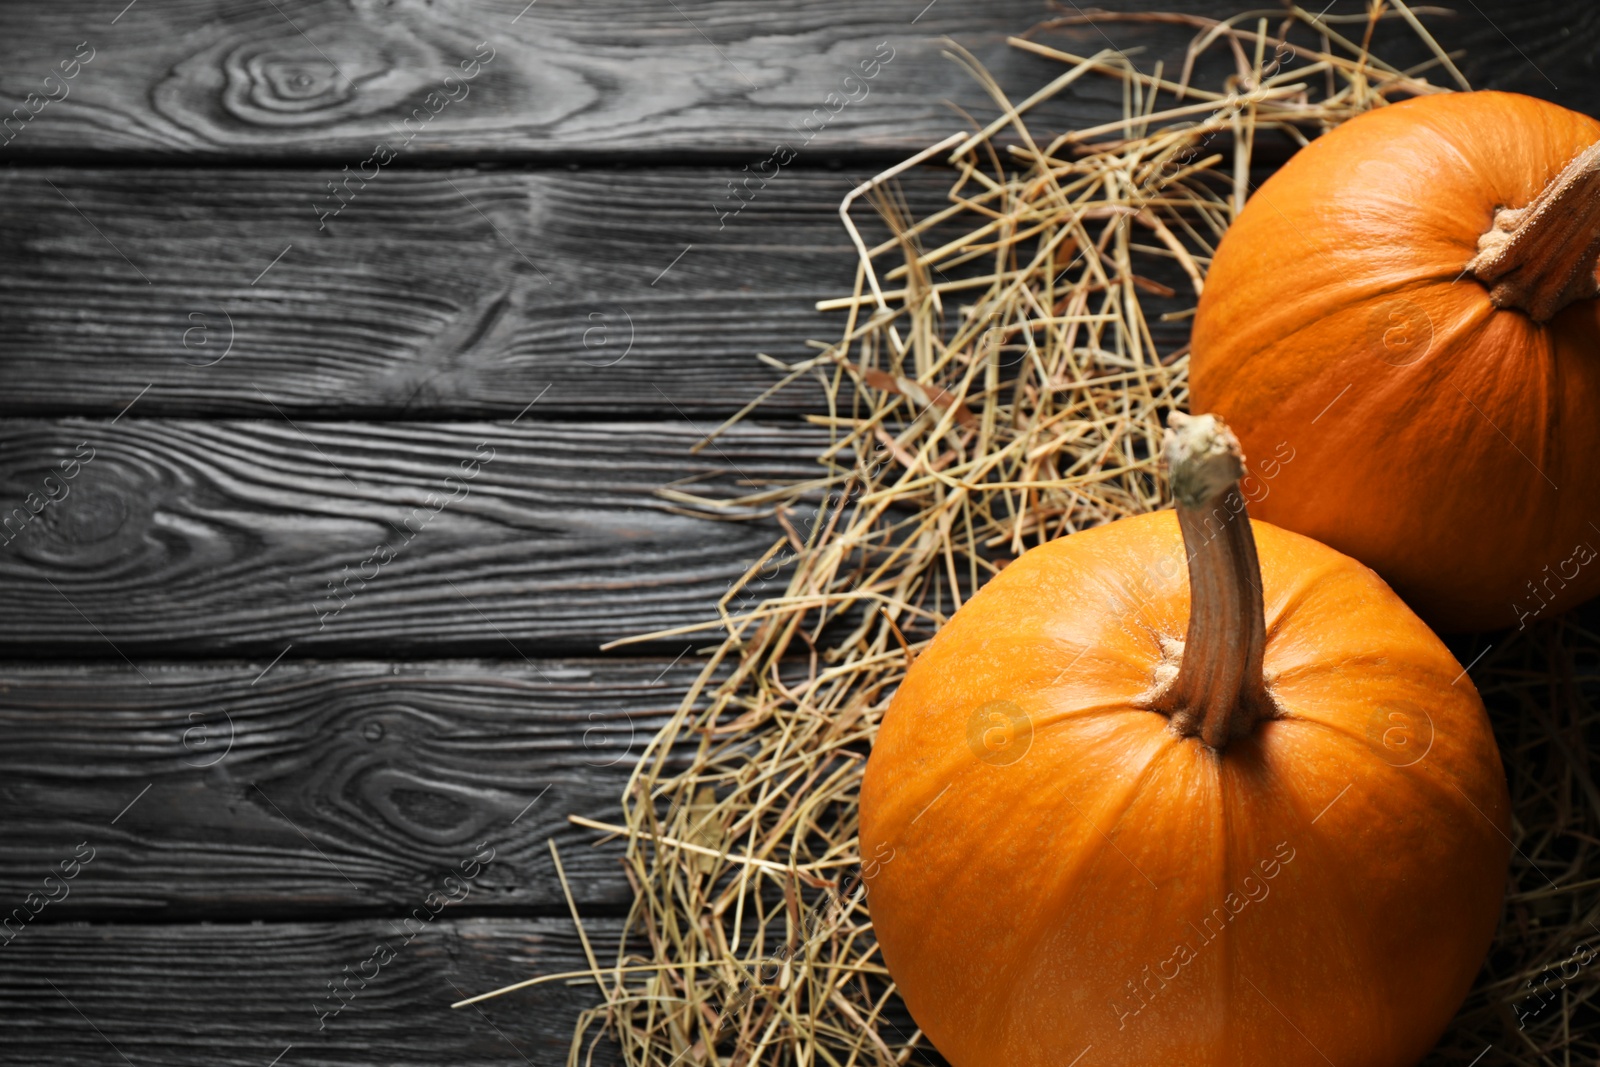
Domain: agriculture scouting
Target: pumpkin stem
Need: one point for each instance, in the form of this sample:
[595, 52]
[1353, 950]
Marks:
[1220, 689]
[1542, 257]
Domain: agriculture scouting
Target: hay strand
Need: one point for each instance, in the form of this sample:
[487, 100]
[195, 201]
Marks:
[1009, 388]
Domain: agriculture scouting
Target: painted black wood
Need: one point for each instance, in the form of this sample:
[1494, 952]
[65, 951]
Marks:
[509, 79]
[563, 79]
[186, 538]
[611, 293]
[254, 790]
[241, 994]
[432, 287]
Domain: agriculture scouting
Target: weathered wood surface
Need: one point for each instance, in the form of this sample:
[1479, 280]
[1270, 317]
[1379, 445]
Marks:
[349, 789]
[410, 300]
[559, 78]
[332, 80]
[255, 790]
[238, 995]
[185, 538]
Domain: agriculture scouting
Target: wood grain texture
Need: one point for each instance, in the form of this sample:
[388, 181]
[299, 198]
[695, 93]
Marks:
[329, 79]
[238, 995]
[186, 538]
[320, 789]
[412, 302]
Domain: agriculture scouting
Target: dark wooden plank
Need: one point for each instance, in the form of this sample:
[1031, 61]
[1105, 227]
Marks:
[322, 79]
[239, 995]
[185, 538]
[316, 789]
[411, 305]
[319, 79]
[411, 302]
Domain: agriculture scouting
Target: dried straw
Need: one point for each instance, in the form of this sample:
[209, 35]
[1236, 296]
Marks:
[1002, 384]
[1536, 1000]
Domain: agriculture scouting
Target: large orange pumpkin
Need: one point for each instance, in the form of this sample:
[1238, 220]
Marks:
[1388, 311]
[1116, 823]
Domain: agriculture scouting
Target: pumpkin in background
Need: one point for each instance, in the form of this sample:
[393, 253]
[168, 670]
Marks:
[1389, 309]
[1257, 825]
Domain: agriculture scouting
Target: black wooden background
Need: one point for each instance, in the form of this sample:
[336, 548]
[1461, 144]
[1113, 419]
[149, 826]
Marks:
[464, 389]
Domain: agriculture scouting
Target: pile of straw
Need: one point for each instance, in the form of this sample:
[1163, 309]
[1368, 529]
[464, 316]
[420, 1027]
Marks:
[1538, 999]
[1001, 379]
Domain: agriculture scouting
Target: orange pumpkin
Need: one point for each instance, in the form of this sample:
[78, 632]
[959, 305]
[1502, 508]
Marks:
[1117, 822]
[1389, 311]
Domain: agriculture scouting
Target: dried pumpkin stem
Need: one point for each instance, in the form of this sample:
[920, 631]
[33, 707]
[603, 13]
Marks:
[1542, 257]
[1220, 691]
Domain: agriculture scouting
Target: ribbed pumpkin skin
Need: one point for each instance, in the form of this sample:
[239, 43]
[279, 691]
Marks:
[1450, 445]
[1017, 903]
